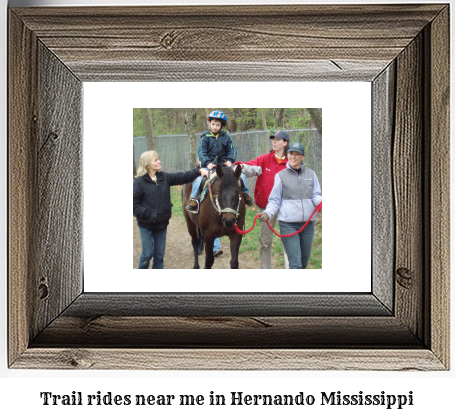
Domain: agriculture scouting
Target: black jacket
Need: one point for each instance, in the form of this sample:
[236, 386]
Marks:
[152, 205]
[210, 147]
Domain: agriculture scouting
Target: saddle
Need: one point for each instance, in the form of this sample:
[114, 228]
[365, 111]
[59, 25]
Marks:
[204, 187]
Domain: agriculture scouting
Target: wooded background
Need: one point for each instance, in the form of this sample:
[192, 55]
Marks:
[175, 133]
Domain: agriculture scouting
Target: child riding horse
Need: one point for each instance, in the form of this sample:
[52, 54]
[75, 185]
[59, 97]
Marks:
[217, 217]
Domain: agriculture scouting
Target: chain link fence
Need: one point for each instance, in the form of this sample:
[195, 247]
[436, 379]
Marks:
[174, 150]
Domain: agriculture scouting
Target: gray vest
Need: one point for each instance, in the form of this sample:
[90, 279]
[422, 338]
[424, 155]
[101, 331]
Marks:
[297, 187]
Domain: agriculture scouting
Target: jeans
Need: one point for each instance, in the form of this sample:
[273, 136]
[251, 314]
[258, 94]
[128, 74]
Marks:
[197, 183]
[153, 246]
[298, 247]
[216, 244]
[265, 244]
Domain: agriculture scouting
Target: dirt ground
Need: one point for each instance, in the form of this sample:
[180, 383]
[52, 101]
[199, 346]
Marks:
[179, 252]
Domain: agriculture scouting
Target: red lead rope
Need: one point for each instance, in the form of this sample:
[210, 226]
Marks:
[273, 230]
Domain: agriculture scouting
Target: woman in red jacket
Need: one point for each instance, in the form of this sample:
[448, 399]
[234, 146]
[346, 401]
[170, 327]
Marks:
[266, 167]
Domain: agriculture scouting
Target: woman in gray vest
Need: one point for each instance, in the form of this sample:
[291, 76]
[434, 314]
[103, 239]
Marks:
[296, 192]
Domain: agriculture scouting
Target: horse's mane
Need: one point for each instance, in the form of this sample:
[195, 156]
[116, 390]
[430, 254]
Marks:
[228, 180]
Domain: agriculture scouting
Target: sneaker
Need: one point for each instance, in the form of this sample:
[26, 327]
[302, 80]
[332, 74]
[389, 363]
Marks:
[192, 206]
[218, 252]
[248, 200]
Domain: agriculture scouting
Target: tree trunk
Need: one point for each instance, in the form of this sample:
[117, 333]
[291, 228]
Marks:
[203, 119]
[279, 116]
[316, 116]
[264, 119]
[190, 121]
[148, 128]
[231, 124]
[134, 164]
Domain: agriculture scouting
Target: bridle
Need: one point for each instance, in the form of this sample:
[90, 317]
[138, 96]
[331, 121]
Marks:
[228, 210]
[217, 206]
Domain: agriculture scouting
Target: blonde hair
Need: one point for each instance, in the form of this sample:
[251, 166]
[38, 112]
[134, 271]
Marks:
[144, 161]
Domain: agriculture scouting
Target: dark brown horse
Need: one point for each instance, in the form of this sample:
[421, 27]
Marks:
[217, 218]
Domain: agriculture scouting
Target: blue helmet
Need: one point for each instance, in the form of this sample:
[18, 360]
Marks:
[218, 115]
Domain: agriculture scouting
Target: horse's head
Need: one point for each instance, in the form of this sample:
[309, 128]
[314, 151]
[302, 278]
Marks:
[229, 194]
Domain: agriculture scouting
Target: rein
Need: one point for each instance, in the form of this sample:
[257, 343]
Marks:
[211, 196]
[273, 230]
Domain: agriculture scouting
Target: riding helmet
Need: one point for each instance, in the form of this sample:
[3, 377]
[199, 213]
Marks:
[218, 115]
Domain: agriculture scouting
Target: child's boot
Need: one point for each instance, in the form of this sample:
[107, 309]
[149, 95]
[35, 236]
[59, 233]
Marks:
[192, 206]
[248, 200]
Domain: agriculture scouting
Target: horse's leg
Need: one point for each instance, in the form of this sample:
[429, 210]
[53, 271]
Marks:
[190, 225]
[209, 258]
[195, 243]
[235, 239]
[201, 243]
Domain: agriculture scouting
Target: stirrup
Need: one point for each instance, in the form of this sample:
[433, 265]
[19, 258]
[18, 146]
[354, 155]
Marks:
[193, 209]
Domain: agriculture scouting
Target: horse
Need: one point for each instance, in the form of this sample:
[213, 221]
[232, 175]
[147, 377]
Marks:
[217, 218]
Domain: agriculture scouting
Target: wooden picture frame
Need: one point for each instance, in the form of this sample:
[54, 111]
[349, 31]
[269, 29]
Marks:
[402, 324]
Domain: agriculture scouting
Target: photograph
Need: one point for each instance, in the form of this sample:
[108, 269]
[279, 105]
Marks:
[258, 218]
[261, 207]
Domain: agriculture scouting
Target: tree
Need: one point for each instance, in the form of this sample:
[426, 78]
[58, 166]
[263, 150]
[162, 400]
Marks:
[203, 118]
[190, 121]
[278, 115]
[231, 115]
[240, 119]
[138, 123]
[148, 128]
[264, 119]
[249, 119]
[316, 116]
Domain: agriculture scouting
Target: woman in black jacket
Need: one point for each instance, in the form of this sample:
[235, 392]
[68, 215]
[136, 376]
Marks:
[152, 205]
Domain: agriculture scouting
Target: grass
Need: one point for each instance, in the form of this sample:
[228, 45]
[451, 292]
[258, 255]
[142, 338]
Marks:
[176, 199]
[316, 252]
[250, 241]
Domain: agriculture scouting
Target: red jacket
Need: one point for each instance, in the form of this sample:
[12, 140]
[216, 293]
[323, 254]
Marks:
[265, 181]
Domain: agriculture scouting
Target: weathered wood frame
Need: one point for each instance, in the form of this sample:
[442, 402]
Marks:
[403, 324]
